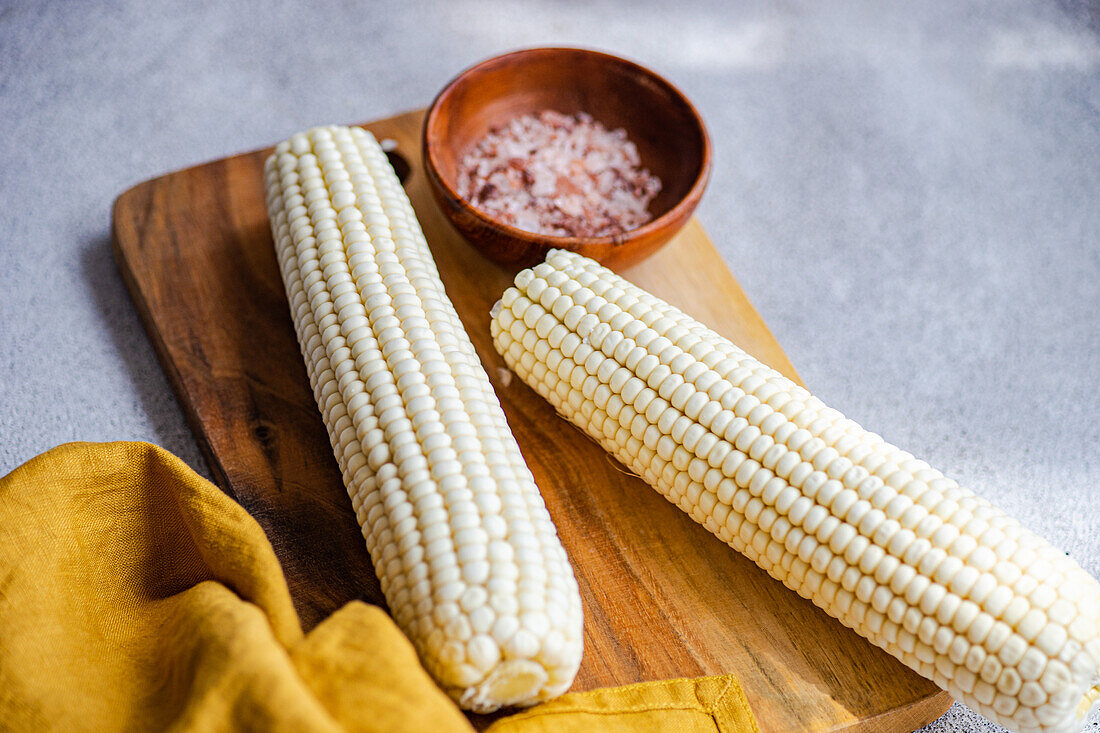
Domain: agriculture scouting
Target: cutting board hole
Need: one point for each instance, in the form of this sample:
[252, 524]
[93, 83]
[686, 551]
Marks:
[400, 165]
[264, 433]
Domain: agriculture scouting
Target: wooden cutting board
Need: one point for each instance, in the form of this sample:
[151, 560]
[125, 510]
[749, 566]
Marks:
[663, 598]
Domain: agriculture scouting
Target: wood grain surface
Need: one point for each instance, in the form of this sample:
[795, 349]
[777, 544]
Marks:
[663, 598]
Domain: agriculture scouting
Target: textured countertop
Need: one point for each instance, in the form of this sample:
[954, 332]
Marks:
[909, 192]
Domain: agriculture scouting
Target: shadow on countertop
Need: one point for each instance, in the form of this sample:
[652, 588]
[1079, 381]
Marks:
[120, 319]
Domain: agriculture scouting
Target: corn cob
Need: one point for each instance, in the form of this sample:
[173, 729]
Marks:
[918, 565]
[466, 553]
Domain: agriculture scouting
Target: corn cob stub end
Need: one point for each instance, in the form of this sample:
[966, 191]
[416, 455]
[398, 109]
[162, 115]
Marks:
[513, 683]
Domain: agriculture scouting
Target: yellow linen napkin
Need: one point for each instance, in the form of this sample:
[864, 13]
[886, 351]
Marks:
[135, 595]
[711, 704]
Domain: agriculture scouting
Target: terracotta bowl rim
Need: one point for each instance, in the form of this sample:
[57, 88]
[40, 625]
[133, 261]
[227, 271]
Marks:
[680, 211]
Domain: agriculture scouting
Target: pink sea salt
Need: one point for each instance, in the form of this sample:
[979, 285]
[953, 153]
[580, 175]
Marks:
[561, 175]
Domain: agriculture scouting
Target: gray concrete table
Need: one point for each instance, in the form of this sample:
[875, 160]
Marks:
[908, 192]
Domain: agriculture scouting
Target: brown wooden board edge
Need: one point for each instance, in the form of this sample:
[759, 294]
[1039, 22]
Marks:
[157, 340]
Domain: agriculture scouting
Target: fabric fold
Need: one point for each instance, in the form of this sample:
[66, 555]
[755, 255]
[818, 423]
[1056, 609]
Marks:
[703, 705]
[136, 595]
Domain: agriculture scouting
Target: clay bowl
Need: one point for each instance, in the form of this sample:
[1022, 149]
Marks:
[671, 139]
